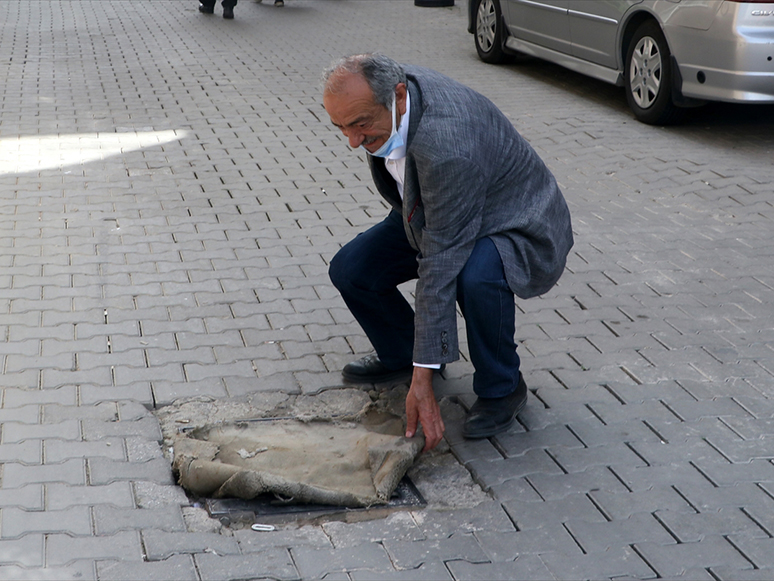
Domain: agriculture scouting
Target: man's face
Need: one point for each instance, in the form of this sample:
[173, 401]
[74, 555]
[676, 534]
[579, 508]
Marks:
[353, 110]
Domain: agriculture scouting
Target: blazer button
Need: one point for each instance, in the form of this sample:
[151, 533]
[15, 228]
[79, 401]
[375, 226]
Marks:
[444, 349]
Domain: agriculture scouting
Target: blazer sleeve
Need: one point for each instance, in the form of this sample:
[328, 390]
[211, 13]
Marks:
[448, 216]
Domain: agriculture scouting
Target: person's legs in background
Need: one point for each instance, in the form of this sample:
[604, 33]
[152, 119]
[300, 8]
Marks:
[228, 8]
[207, 6]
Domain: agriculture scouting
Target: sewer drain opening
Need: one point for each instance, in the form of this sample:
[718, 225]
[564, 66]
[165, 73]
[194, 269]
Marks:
[268, 509]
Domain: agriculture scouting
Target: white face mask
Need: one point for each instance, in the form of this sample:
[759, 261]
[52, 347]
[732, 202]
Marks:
[394, 141]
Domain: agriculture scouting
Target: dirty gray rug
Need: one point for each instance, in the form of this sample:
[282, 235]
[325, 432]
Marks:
[352, 459]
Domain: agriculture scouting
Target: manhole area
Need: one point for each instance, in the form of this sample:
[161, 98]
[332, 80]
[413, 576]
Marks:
[436, 480]
[267, 509]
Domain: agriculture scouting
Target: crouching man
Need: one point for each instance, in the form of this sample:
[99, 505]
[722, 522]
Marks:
[476, 218]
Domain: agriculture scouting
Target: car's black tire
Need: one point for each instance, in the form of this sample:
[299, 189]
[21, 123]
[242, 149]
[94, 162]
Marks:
[488, 31]
[648, 71]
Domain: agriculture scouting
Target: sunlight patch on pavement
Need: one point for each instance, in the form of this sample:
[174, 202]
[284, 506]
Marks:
[34, 153]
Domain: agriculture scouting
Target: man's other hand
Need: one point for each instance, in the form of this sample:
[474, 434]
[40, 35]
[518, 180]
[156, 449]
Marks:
[422, 407]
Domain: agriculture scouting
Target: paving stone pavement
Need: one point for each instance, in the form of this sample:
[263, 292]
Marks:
[171, 192]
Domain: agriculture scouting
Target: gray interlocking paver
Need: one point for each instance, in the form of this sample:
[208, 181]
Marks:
[526, 567]
[407, 554]
[250, 542]
[26, 452]
[74, 521]
[677, 559]
[106, 470]
[179, 567]
[270, 564]
[15, 432]
[160, 545]
[122, 546]
[110, 519]
[314, 563]
[15, 397]
[509, 546]
[61, 496]
[82, 570]
[71, 471]
[94, 429]
[26, 551]
[621, 562]
[95, 394]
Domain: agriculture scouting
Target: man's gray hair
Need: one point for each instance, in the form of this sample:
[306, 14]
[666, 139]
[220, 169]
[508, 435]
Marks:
[380, 72]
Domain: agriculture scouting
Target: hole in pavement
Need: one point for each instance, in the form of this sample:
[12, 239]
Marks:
[270, 510]
[435, 480]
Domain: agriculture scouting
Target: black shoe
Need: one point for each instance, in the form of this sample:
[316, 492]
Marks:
[228, 13]
[370, 369]
[492, 415]
[206, 9]
[279, 2]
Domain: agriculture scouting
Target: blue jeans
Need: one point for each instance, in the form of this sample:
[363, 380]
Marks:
[367, 272]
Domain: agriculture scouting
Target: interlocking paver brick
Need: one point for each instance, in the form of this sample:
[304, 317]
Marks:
[15, 432]
[509, 546]
[406, 554]
[727, 474]
[152, 495]
[732, 574]
[619, 562]
[400, 527]
[95, 394]
[555, 486]
[526, 567]
[26, 452]
[26, 551]
[536, 515]
[490, 473]
[270, 564]
[312, 536]
[179, 567]
[54, 413]
[62, 496]
[160, 545]
[619, 506]
[110, 519]
[122, 546]
[74, 521]
[105, 470]
[315, 563]
[599, 537]
[96, 430]
[711, 551]
[72, 471]
[691, 528]
[82, 570]
[14, 397]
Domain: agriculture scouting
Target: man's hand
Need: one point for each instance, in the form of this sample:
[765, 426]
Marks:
[422, 406]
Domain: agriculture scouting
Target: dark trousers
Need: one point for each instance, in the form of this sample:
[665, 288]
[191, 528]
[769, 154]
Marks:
[225, 3]
[367, 272]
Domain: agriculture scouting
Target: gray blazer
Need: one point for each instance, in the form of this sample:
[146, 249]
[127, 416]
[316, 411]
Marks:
[469, 174]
